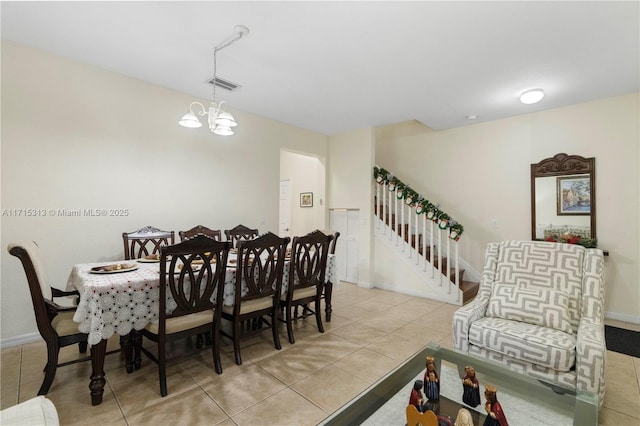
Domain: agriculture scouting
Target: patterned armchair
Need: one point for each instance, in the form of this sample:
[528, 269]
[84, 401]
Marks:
[540, 310]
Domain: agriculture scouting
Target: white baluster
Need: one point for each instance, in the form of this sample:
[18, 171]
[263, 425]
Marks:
[424, 241]
[384, 208]
[440, 255]
[377, 209]
[409, 232]
[417, 246]
[392, 211]
[431, 248]
[448, 259]
[403, 232]
[395, 202]
[457, 271]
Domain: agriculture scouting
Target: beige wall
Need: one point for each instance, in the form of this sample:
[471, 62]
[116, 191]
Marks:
[349, 187]
[77, 137]
[480, 174]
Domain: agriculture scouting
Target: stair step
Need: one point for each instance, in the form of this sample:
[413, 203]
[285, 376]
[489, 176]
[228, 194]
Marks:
[469, 288]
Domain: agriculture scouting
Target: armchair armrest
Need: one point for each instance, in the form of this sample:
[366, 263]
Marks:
[475, 310]
[462, 319]
[591, 348]
[55, 292]
[591, 358]
[54, 308]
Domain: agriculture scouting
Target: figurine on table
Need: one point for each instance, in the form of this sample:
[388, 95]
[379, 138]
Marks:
[471, 387]
[431, 380]
[417, 399]
[495, 415]
[431, 387]
[463, 418]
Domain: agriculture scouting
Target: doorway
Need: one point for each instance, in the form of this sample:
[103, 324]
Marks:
[301, 174]
[284, 227]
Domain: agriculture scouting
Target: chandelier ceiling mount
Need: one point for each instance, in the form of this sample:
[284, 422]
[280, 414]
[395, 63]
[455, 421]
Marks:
[220, 122]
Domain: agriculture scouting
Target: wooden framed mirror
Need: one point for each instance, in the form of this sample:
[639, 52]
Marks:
[563, 197]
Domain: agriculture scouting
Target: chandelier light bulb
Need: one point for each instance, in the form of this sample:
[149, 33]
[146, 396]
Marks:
[190, 120]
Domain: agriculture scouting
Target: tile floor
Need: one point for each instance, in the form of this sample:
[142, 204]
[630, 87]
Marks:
[372, 331]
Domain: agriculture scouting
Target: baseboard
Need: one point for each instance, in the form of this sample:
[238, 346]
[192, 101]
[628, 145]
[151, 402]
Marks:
[426, 294]
[622, 317]
[20, 340]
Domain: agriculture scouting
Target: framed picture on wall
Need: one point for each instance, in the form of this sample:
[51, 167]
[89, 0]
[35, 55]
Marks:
[306, 199]
[574, 195]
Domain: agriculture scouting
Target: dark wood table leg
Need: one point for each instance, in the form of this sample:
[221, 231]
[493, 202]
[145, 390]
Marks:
[126, 344]
[328, 291]
[98, 352]
[137, 345]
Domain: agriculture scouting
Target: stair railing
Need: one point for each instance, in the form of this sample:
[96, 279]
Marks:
[400, 224]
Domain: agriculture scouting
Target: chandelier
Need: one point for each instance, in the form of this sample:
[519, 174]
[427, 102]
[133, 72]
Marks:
[220, 122]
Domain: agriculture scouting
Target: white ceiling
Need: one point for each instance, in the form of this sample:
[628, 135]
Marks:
[336, 66]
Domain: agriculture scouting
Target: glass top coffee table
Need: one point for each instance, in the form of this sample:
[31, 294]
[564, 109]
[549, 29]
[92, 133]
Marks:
[525, 400]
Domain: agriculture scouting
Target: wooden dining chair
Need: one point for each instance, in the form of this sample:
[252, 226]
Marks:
[239, 233]
[259, 270]
[216, 234]
[191, 296]
[55, 323]
[146, 241]
[307, 267]
[328, 285]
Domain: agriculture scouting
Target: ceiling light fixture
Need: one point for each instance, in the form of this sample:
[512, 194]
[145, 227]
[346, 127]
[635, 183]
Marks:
[220, 122]
[531, 96]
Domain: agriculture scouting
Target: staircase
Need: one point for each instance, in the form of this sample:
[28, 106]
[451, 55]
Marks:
[425, 247]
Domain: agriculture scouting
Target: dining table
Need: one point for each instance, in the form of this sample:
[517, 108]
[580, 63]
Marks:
[117, 297]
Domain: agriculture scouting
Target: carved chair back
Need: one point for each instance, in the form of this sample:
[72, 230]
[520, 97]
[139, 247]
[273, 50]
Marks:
[308, 263]
[216, 234]
[192, 272]
[239, 233]
[260, 266]
[146, 241]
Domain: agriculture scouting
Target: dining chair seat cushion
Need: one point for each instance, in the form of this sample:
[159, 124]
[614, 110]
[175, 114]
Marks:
[64, 324]
[35, 411]
[301, 293]
[178, 324]
[251, 305]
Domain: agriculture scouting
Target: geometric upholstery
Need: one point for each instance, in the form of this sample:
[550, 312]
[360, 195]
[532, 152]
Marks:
[536, 265]
[38, 411]
[554, 330]
[547, 308]
[544, 346]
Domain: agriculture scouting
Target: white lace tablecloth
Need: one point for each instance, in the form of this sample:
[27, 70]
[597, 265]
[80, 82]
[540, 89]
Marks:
[120, 302]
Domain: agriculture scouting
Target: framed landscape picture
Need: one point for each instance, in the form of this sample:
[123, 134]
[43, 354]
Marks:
[574, 195]
[306, 199]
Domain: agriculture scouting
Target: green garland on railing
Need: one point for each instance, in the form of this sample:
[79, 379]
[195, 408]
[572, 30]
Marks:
[393, 184]
[381, 175]
[422, 205]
